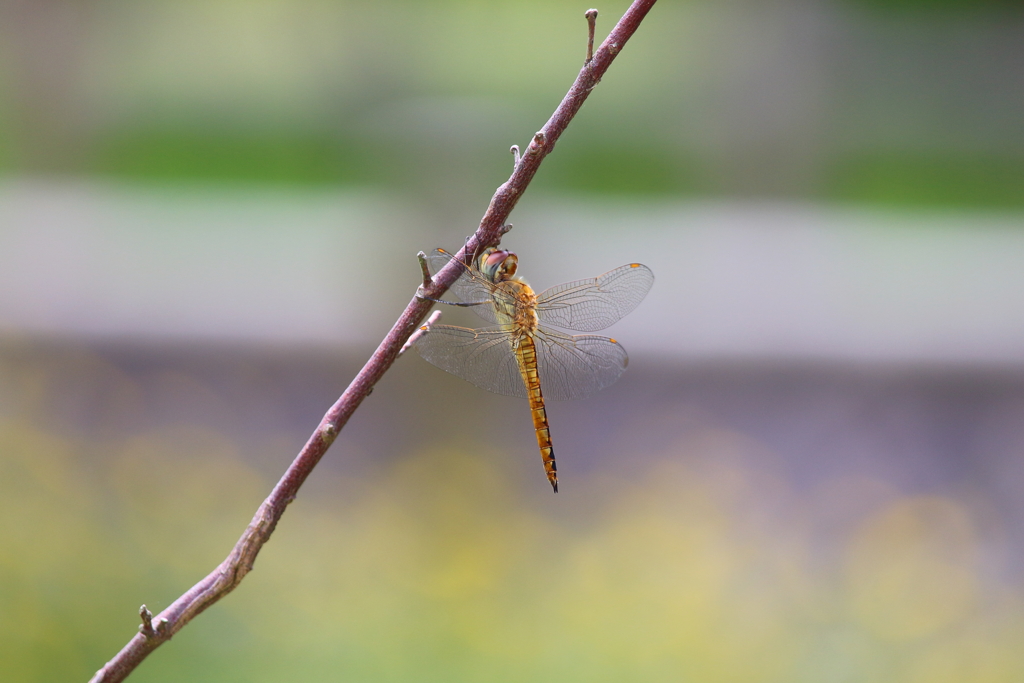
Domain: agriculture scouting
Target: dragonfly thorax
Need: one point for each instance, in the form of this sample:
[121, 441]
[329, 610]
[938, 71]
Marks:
[515, 305]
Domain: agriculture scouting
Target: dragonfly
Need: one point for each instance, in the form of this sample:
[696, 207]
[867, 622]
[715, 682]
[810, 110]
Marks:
[519, 354]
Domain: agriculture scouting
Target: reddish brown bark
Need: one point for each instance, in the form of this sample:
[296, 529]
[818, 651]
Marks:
[230, 572]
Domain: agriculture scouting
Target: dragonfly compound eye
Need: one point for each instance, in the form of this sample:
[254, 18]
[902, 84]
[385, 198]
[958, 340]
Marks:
[494, 263]
[509, 265]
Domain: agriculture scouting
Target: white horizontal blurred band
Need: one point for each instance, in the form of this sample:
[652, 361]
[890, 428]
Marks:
[733, 280]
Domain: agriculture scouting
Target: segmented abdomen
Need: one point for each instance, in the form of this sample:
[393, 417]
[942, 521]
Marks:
[526, 354]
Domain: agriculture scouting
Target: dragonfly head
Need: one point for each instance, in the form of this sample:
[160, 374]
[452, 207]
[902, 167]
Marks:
[498, 265]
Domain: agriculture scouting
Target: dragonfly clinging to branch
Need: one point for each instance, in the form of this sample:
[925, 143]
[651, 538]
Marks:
[519, 354]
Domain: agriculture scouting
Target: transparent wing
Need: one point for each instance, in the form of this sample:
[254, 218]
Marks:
[482, 357]
[594, 304]
[471, 287]
[569, 367]
[572, 367]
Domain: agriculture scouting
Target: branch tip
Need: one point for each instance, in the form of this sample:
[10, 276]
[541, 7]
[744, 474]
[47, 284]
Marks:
[591, 15]
[427, 280]
[146, 627]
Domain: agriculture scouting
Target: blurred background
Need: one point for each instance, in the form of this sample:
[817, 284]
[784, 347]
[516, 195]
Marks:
[813, 470]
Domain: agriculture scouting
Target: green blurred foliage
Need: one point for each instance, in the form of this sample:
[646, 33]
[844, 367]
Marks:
[289, 157]
[941, 179]
[896, 102]
[892, 179]
[931, 6]
[691, 562]
[437, 572]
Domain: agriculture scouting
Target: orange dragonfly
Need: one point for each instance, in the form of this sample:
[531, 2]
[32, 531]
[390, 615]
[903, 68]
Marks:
[520, 353]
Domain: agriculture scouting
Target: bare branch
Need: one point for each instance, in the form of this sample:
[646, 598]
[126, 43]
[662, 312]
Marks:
[239, 562]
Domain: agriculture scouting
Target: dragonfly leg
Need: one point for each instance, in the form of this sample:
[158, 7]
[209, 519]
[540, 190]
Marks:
[470, 259]
[421, 295]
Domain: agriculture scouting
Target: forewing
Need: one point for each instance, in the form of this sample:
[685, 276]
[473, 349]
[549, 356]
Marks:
[572, 367]
[594, 304]
[482, 357]
[470, 288]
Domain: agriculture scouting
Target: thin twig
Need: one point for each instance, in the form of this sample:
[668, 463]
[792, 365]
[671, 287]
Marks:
[591, 16]
[239, 562]
[423, 269]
